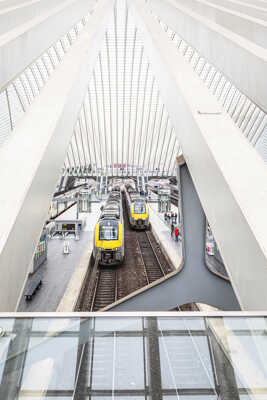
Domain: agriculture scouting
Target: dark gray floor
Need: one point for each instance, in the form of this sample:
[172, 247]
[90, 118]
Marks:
[195, 283]
[56, 273]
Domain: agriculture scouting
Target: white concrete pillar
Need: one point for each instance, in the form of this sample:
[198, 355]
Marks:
[30, 162]
[229, 175]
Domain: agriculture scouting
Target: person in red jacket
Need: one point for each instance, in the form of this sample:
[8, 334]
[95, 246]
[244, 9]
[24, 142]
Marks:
[176, 233]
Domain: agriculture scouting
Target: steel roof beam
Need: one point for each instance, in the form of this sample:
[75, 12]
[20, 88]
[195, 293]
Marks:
[21, 45]
[232, 49]
[251, 28]
[31, 161]
[229, 175]
[254, 8]
[12, 16]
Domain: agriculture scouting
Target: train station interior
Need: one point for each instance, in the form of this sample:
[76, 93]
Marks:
[133, 201]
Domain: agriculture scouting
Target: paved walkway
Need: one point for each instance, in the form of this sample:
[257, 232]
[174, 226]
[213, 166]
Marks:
[58, 270]
[162, 233]
[194, 283]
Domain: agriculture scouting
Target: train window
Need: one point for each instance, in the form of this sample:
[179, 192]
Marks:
[108, 230]
[68, 227]
[139, 208]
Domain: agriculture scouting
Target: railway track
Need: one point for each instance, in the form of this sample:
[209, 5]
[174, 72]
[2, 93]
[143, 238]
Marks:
[105, 291]
[152, 265]
[144, 263]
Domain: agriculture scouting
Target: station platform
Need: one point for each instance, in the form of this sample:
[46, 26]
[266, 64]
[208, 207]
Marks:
[171, 249]
[162, 231]
[60, 269]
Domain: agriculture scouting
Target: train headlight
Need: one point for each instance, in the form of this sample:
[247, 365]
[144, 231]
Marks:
[118, 255]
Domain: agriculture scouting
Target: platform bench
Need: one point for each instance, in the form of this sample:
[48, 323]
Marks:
[33, 287]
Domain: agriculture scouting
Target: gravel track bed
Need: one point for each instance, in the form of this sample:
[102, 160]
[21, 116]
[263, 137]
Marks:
[111, 284]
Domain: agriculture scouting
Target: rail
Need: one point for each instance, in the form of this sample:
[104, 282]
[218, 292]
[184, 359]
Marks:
[144, 264]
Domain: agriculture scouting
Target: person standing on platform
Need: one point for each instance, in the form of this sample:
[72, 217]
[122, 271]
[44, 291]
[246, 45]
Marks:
[176, 232]
[172, 229]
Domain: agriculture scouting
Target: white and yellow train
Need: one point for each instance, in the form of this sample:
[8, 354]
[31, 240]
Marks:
[109, 231]
[137, 209]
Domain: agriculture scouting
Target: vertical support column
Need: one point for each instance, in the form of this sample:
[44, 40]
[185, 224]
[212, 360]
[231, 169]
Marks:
[14, 365]
[154, 376]
[83, 360]
[232, 191]
[42, 155]
[225, 375]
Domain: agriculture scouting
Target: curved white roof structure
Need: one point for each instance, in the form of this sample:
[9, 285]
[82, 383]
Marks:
[124, 126]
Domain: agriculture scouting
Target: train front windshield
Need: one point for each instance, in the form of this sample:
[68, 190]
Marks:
[139, 207]
[108, 230]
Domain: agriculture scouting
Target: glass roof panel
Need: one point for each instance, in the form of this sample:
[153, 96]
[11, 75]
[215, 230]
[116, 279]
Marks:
[183, 358]
[245, 324]
[123, 127]
[167, 324]
[55, 324]
[50, 364]
[119, 323]
[124, 357]
[185, 362]
[7, 324]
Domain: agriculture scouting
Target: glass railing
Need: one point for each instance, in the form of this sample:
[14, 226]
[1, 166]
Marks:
[175, 356]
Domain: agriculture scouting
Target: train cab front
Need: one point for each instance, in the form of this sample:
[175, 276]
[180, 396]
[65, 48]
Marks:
[139, 211]
[109, 242]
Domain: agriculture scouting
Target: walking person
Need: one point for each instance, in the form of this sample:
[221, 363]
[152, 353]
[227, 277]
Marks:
[175, 218]
[165, 217]
[176, 233]
[172, 229]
